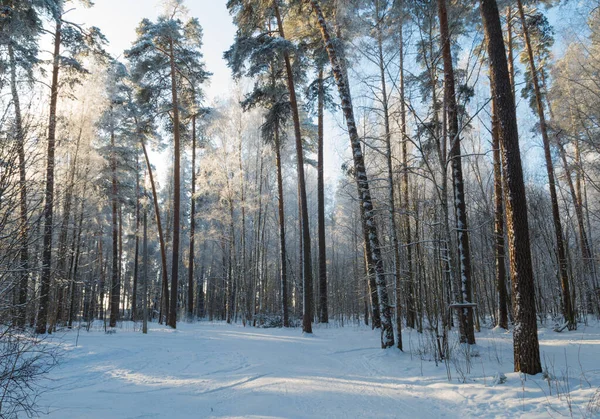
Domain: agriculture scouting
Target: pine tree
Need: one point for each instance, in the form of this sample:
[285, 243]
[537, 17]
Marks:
[166, 55]
[526, 345]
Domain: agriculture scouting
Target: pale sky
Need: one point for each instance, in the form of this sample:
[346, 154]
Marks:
[118, 19]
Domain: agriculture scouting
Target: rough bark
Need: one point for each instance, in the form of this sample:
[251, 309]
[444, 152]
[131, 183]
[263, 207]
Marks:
[190, 291]
[323, 312]
[567, 303]
[460, 211]
[23, 228]
[306, 243]
[499, 253]
[172, 318]
[115, 283]
[161, 239]
[525, 340]
[46, 275]
[282, 247]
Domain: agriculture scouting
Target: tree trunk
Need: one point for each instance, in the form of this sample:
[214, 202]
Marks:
[115, 283]
[282, 246]
[409, 278]
[323, 313]
[134, 293]
[172, 318]
[390, 179]
[23, 229]
[460, 211]
[190, 298]
[49, 193]
[526, 345]
[567, 304]
[306, 244]
[499, 253]
[163, 253]
[368, 221]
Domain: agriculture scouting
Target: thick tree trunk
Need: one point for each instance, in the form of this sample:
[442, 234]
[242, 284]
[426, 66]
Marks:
[567, 304]
[368, 221]
[323, 312]
[460, 211]
[305, 232]
[172, 318]
[526, 345]
[46, 276]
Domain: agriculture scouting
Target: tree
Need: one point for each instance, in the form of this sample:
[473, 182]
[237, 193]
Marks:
[368, 222]
[166, 55]
[74, 41]
[464, 255]
[567, 304]
[526, 346]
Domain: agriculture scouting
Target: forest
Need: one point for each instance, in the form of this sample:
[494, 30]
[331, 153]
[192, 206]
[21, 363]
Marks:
[409, 166]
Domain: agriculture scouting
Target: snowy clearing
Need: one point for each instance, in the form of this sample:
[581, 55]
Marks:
[215, 370]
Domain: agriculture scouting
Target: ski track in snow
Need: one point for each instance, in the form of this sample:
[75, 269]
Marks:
[215, 370]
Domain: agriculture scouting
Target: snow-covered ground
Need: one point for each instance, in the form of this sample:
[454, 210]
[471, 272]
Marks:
[207, 370]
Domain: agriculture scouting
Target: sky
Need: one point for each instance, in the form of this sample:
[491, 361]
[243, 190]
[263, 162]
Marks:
[118, 20]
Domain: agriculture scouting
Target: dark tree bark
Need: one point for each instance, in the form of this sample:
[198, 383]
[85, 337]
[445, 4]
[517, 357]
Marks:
[323, 313]
[526, 345]
[305, 232]
[567, 304]
[460, 210]
[499, 252]
[136, 253]
[190, 296]
[282, 246]
[172, 318]
[115, 283]
[23, 228]
[46, 276]
[366, 203]
[161, 239]
[409, 278]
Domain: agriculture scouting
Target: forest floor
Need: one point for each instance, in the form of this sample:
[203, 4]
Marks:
[207, 370]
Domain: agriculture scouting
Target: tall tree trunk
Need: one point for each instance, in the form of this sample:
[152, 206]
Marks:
[499, 252]
[409, 278]
[390, 178]
[305, 233]
[172, 318]
[75, 267]
[23, 229]
[136, 253]
[567, 304]
[460, 211]
[115, 283]
[526, 345]
[368, 221]
[323, 313]
[161, 239]
[145, 272]
[190, 298]
[49, 193]
[282, 246]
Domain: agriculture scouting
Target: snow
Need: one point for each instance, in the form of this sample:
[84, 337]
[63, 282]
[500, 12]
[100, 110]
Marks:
[215, 370]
